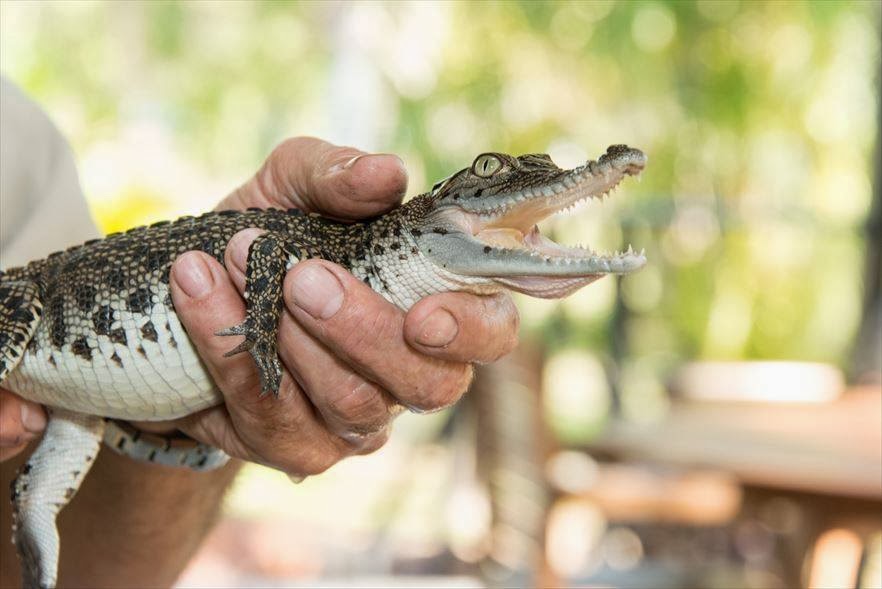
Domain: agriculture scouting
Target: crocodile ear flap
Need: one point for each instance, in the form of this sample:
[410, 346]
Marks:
[441, 185]
[436, 188]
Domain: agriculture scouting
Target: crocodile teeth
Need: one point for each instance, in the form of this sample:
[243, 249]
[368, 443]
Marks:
[508, 221]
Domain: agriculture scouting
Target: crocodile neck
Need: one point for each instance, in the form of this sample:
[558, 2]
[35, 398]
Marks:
[399, 269]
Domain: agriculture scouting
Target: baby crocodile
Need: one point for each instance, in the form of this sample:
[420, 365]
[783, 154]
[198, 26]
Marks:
[91, 332]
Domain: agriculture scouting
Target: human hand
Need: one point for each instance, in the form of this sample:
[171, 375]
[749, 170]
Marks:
[341, 385]
[20, 422]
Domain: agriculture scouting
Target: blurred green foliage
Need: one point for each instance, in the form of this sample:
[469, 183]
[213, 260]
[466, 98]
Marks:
[759, 119]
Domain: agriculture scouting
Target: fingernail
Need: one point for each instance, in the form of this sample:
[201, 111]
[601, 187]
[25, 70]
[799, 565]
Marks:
[34, 421]
[438, 329]
[239, 258]
[193, 275]
[239, 246]
[317, 291]
[351, 162]
[373, 158]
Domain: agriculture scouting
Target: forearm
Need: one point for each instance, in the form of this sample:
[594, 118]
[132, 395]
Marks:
[130, 524]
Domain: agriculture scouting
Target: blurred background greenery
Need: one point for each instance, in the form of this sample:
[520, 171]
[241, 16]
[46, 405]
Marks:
[759, 119]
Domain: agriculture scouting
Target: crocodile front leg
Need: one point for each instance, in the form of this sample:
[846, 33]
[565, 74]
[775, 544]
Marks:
[268, 259]
[45, 484]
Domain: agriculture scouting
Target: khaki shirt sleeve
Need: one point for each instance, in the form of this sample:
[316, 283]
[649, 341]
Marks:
[42, 208]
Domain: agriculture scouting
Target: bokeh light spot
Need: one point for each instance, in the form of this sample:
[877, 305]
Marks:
[653, 28]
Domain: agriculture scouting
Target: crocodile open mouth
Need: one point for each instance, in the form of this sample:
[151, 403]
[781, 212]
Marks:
[507, 228]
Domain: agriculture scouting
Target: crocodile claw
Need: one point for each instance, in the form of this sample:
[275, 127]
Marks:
[241, 329]
[262, 351]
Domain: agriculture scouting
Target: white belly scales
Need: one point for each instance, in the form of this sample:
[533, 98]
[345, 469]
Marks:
[139, 380]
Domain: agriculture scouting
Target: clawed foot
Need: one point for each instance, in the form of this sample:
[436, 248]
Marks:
[262, 348]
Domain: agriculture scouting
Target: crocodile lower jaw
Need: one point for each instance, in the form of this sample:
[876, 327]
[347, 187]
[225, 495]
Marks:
[513, 233]
[547, 280]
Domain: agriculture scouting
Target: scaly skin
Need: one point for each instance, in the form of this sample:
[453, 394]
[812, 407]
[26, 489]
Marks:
[92, 331]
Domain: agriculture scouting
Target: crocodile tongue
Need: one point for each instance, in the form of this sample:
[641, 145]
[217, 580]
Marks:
[563, 269]
[532, 240]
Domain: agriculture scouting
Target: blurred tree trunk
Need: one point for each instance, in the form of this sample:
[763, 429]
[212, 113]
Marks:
[866, 358]
[511, 455]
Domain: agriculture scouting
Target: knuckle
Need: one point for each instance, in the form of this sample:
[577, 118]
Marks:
[274, 176]
[262, 412]
[514, 318]
[379, 326]
[289, 147]
[507, 344]
[374, 442]
[361, 408]
[505, 336]
[267, 176]
[314, 463]
[445, 390]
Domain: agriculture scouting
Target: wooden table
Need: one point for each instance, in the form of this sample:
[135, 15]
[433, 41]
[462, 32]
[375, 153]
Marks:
[831, 448]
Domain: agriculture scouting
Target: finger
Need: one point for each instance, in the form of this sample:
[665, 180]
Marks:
[204, 297]
[283, 432]
[20, 422]
[365, 330]
[463, 327]
[354, 408]
[236, 256]
[316, 176]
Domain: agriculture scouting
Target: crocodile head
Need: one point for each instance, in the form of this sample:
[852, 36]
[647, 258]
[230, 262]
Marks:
[479, 225]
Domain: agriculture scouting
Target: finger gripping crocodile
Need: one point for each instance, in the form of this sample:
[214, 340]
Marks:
[92, 333]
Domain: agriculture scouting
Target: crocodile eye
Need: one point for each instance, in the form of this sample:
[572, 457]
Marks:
[486, 165]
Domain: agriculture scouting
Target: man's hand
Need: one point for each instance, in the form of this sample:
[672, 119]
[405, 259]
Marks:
[350, 357]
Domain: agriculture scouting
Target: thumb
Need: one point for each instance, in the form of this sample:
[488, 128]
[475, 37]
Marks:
[319, 177]
[20, 422]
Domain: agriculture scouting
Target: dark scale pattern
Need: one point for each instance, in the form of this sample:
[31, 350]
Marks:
[140, 300]
[85, 297]
[20, 312]
[80, 347]
[55, 319]
[102, 319]
[148, 332]
[118, 336]
[85, 287]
